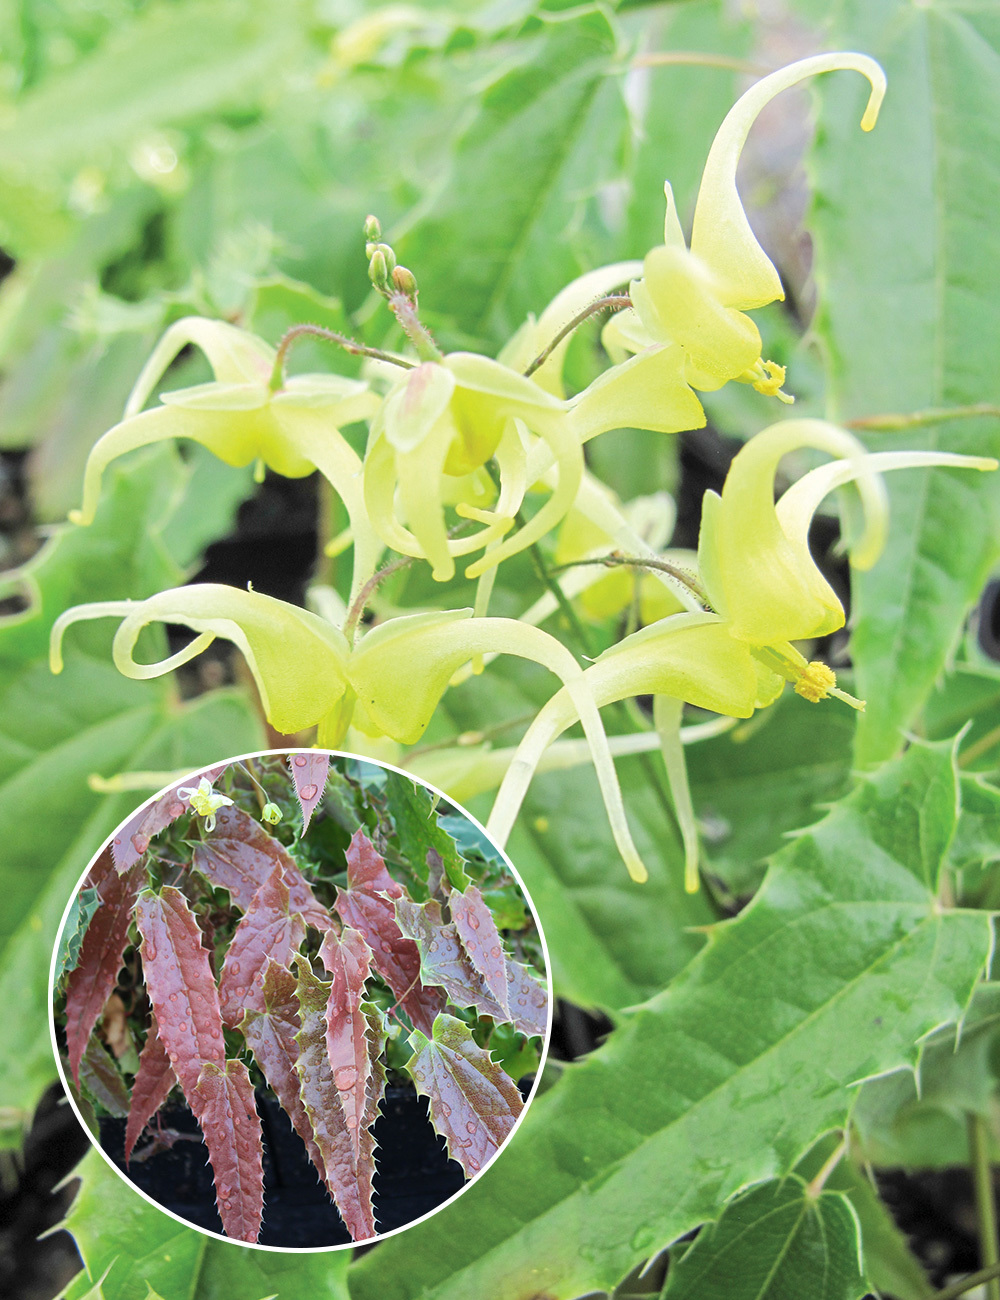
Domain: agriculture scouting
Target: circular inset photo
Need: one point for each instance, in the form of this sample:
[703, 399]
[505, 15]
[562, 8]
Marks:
[300, 999]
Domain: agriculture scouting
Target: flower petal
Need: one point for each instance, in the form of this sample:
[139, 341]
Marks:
[721, 235]
[645, 392]
[236, 356]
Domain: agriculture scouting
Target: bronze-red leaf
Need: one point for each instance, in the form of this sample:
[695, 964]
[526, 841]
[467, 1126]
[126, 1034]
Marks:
[348, 958]
[102, 1079]
[90, 983]
[473, 1104]
[239, 855]
[226, 1110]
[481, 940]
[134, 838]
[367, 905]
[180, 985]
[152, 1086]
[267, 929]
[444, 962]
[309, 773]
[270, 1035]
[348, 1177]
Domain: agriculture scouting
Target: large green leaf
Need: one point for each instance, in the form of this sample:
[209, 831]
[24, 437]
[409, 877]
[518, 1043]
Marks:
[907, 258]
[518, 199]
[842, 962]
[774, 1241]
[58, 731]
[127, 1244]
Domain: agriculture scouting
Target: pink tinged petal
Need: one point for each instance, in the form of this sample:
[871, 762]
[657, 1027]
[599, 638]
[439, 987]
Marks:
[227, 1112]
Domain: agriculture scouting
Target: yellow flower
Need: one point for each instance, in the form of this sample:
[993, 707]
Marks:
[688, 316]
[764, 590]
[204, 801]
[293, 430]
[308, 674]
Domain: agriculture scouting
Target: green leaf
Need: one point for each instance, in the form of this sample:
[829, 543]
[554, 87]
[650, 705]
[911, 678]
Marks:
[129, 1243]
[60, 730]
[889, 1263]
[775, 1240]
[907, 273]
[413, 810]
[512, 206]
[834, 972]
[82, 908]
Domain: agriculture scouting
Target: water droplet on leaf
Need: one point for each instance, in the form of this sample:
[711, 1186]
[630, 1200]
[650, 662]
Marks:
[308, 792]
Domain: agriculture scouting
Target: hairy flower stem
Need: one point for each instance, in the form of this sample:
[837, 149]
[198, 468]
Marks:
[404, 308]
[617, 560]
[364, 595]
[613, 300]
[331, 336]
[986, 1214]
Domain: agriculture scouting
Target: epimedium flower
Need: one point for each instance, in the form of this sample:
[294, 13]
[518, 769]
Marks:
[204, 801]
[688, 314]
[761, 590]
[308, 673]
[248, 414]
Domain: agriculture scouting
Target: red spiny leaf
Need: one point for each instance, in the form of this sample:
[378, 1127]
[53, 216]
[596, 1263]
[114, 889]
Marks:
[443, 960]
[227, 1113]
[348, 1178]
[367, 905]
[266, 930]
[528, 999]
[100, 1076]
[309, 773]
[152, 1086]
[349, 961]
[481, 940]
[270, 1035]
[180, 986]
[133, 839]
[239, 855]
[473, 1104]
[90, 984]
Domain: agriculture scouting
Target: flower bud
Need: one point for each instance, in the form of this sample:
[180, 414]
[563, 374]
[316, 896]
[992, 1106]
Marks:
[378, 272]
[271, 814]
[373, 229]
[405, 281]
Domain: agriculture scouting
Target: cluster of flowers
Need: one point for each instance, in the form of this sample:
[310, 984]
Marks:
[477, 435]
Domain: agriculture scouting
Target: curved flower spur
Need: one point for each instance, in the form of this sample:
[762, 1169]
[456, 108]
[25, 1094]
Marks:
[761, 590]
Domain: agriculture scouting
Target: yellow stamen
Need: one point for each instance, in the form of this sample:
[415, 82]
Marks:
[815, 682]
[768, 378]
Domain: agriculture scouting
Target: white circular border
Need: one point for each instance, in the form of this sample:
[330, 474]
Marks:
[382, 1236]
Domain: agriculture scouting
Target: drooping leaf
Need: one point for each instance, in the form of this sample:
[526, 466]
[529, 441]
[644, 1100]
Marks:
[90, 984]
[348, 959]
[133, 839]
[82, 908]
[180, 985]
[775, 1240]
[910, 324]
[842, 962]
[478, 933]
[226, 1110]
[367, 905]
[423, 842]
[100, 1076]
[152, 1086]
[472, 1103]
[309, 773]
[130, 1245]
[239, 855]
[266, 931]
[270, 1033]
[348, 1178]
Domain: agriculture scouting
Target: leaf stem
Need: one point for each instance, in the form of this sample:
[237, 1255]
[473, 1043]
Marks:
[615, 300]
[915, 419]
[982, 746]
[695, 58]
[967, 1283]
[829, 1165]
[317, 331]
[986, 1213]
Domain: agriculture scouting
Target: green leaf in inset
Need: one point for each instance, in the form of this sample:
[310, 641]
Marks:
[412, 809]
[774, 1241]
[82, 908]
[840, 965]
[907, 275]
[130, 1244]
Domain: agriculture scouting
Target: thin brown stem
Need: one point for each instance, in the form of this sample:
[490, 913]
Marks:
[615, 301]
[617, 560]
[331, 336]
[916, 419]
[364, 595]
[404, 308]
